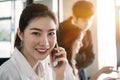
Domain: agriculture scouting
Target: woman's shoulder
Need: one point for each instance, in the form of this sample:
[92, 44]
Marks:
[8, 71]
[6, 66]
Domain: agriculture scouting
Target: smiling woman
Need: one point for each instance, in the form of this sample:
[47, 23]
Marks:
[35, 40]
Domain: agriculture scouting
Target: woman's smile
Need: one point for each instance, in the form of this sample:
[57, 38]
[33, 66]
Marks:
[41, 50]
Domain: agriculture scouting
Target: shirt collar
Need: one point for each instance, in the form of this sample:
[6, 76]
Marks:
[24, 67]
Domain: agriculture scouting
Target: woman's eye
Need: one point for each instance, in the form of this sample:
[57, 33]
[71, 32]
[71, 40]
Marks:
[36, 33]
[51, 33]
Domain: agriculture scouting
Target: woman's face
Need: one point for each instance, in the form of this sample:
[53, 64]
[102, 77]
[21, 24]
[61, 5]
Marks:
[77, 44]
[38, 38]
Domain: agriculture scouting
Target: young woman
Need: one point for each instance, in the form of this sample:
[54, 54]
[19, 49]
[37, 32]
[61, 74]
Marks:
[71, 40]
[35, 40]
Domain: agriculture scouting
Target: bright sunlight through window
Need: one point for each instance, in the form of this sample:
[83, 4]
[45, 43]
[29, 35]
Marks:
[106, 33]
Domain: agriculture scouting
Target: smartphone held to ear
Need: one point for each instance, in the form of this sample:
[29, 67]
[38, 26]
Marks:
[55, 63]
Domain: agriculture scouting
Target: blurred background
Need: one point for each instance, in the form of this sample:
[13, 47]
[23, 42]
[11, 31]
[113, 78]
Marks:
[105, 28]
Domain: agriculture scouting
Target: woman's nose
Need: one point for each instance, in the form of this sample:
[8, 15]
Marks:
[44, 40]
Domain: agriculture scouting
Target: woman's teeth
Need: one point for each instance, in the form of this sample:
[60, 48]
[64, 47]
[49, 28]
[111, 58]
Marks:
[41, 50]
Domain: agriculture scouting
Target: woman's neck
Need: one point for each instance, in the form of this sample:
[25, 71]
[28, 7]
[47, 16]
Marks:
[33, 62]
[35, 67]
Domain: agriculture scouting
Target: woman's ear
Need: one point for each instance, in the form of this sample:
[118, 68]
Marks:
[20, 34]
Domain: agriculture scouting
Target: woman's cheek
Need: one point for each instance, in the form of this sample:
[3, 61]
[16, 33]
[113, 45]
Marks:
[52, 42]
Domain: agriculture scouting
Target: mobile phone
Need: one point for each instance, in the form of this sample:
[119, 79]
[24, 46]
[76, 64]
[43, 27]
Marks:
[55, 63]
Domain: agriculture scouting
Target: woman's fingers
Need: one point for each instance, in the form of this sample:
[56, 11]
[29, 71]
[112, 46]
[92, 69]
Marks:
[61, 52]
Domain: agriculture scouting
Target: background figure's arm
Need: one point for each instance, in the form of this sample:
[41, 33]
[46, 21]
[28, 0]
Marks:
[107, 70]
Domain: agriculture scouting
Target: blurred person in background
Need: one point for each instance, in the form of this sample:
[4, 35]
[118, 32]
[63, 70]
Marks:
[83, 14]
[71, 40]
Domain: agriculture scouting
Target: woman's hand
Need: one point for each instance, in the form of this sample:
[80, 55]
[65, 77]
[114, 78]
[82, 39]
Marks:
[62, 60]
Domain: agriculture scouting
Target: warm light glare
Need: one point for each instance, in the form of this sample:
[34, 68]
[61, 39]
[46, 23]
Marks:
[106, 33]
[118, 3]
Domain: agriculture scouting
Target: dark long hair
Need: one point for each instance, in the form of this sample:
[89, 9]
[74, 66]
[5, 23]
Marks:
[29, 13]
[67, 38]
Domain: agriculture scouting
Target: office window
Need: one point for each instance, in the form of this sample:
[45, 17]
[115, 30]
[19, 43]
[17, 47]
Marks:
[9, 14]
[107, 55]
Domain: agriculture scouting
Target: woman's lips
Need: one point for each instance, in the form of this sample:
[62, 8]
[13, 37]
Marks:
[41, 51]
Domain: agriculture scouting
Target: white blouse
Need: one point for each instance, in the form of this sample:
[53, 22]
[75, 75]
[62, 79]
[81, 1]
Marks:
[24, 70]
[18, 68]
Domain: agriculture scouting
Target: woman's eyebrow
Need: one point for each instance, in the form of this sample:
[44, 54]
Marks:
[52, 30]
[36, 29]
[41, 29]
